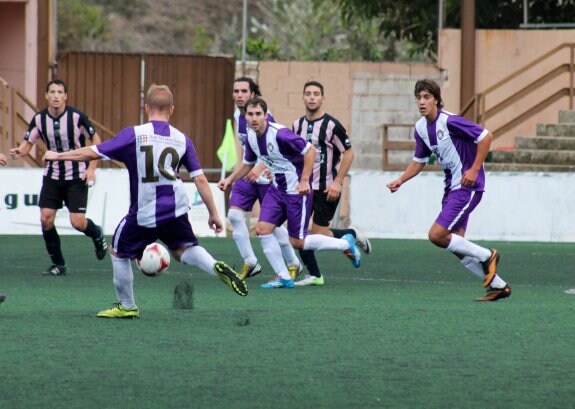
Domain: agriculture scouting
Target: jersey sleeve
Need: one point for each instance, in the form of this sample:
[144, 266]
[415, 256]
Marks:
[422, 152]
[291, 143]
[33, 133]
[340, 137]
[85, 125]
[464, 128]
[119, 147]
[190, 160]
[250, 157]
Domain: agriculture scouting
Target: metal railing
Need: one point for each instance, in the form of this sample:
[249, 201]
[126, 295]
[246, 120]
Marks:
[478, 110]
[15, 115]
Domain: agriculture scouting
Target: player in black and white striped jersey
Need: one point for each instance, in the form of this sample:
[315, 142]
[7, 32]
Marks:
[334, 149]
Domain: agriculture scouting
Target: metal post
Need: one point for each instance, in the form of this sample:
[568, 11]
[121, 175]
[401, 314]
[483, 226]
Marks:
[244, 35]
[467, 51]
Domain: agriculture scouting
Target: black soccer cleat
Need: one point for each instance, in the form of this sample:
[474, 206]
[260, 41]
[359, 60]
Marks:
[55, 270]
[100, 245]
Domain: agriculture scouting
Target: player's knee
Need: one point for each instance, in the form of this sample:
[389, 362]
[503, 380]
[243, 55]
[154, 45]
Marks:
[296, 243]
[438, 238]
[47, 222]
[263, 230]
[79, 223]
[236, 216]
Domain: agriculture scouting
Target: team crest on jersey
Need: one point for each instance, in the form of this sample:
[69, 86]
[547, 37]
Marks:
[270, 147]
[91, 131]
[346, 142]
[440, 135]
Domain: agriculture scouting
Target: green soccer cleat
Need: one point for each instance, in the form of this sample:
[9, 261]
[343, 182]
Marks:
[230, 278]
[119, 311]
[310, 280]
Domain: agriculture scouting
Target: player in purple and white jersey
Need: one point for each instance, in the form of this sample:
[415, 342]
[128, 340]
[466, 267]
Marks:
[290, 159]
[63, 128]
[245, 192]
[334, 150]
[153, 154]
[461, 147]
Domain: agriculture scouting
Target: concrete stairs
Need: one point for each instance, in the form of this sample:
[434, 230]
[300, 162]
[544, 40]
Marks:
[551, 150]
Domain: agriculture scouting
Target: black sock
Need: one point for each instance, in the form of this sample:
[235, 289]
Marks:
[52, 240]
[92, 230]
[339, 233]
[308, 258]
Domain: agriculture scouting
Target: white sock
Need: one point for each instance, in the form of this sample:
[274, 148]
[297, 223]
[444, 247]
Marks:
[199, 257]
[273, 253]
[321, 242]
[473, 265]
[282, 236]
[123, 281]
[241, 235]
[497, 282]
[464, 247]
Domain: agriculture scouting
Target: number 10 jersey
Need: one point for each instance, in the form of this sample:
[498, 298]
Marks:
[153, 154]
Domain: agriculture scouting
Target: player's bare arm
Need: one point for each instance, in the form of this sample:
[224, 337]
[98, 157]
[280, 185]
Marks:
[470, 175]
[82, 154]
[90, 175]
[21, 150]
[214, 221]
[256, 172]
[2, 159]
[236, 174]
[334, 189]
[308, 161]
[412, 170]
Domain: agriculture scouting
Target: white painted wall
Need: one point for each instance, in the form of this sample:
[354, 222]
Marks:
[108, 202]
[515, 207]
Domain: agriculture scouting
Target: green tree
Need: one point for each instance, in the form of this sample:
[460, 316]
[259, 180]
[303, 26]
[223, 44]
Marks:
[416, 21]
[80, 26]
[303, 30]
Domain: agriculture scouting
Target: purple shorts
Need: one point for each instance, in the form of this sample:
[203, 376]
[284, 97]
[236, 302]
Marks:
[278, 207]
[130, 239]
[244, 194]
[456, 206]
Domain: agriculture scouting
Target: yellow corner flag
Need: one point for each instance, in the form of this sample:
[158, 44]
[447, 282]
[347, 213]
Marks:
[227, 150]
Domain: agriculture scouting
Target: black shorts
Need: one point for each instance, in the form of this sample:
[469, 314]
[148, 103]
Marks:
[323, 211]
[72, 193]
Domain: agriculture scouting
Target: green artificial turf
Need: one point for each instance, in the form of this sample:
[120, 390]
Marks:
[402, 331]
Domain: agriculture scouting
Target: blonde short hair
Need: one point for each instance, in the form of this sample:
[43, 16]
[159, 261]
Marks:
[159, 98]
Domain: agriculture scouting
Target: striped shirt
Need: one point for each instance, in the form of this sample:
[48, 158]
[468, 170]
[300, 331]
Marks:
[243, 128]
[282, 152]
[67, 132]
[330, 139]
[454, 140]
[153, 154]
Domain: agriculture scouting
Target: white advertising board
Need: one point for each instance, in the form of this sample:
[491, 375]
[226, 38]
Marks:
[526, 206]
[108, 202]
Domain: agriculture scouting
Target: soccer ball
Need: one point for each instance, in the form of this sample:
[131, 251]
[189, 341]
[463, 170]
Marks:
[155, 260]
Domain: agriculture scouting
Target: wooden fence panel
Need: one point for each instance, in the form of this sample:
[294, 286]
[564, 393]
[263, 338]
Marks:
[108, 87]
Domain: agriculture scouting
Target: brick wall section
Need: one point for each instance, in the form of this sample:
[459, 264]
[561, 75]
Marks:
[362, 96]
